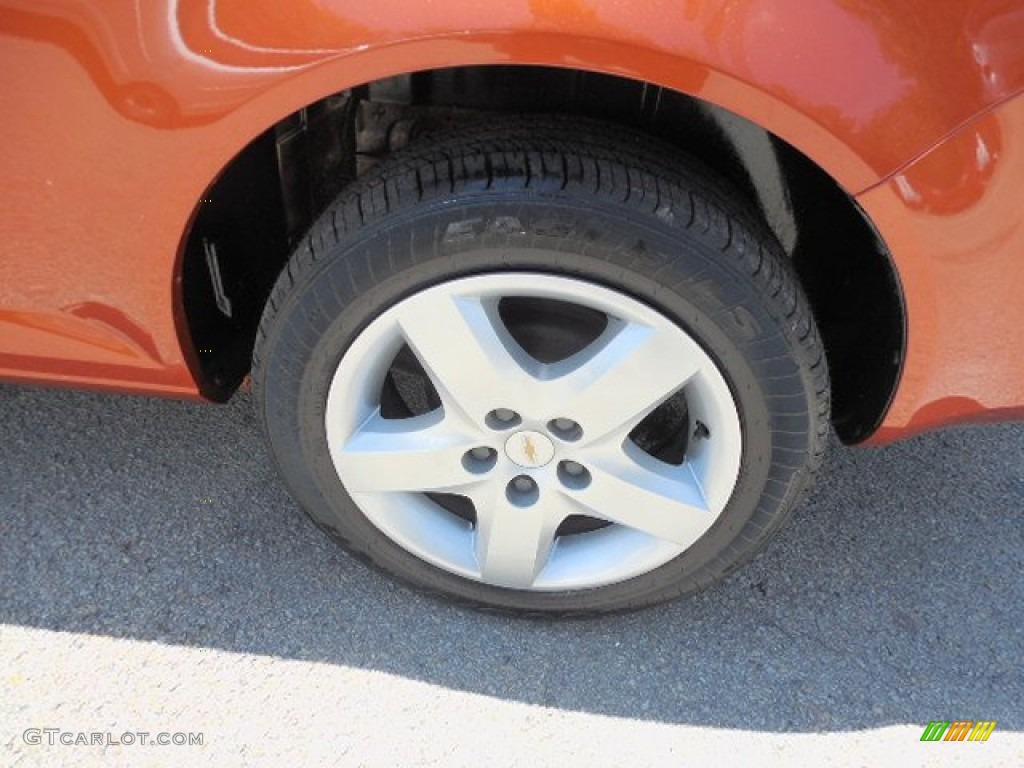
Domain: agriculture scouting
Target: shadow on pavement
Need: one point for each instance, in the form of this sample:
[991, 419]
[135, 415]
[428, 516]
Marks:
[893, 596]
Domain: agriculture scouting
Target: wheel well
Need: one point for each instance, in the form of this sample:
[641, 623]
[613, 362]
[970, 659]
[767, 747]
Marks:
[269, 194]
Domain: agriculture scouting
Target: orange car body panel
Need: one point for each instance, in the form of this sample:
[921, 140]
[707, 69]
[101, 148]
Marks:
[120, 114]
[955, 223]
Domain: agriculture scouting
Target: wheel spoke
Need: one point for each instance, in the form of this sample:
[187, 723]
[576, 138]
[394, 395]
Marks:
[422, 453]
[669, 506]
[620, 378]
[468, 354]
[513, 543]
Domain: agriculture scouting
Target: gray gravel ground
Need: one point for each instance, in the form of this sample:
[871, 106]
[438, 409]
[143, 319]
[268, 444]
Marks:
[155, 576]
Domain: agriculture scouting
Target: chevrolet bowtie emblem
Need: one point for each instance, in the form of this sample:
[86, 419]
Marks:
[529, 449]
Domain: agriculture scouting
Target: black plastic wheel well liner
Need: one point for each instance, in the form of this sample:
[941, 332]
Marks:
[250, 217]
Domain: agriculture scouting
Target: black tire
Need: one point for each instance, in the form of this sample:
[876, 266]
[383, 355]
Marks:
[633, 215]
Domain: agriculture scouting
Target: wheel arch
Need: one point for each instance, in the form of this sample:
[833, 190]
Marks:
[800, 176]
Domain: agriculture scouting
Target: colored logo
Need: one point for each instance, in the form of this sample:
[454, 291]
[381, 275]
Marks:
[958, 730]
[529, 449]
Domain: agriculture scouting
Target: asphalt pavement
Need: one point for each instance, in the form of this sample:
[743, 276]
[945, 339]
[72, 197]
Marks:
[156, 577]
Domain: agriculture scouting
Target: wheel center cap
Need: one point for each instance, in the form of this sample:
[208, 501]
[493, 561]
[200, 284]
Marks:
[529, 449]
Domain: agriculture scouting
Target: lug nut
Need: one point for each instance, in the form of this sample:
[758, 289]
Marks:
[573, 475]
[479, 460]
[522, 492]
[523, 484]
[565, 429]
[501, 419]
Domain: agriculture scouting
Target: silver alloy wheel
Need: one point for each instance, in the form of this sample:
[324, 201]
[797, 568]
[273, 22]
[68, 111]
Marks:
[531, 444]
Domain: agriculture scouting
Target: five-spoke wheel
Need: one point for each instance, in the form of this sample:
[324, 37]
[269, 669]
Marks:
[542, 373]
[531, 445]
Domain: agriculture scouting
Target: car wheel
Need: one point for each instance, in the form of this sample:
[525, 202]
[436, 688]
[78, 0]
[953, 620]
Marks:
[547, 366]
